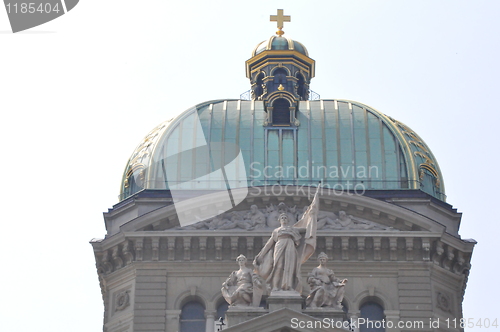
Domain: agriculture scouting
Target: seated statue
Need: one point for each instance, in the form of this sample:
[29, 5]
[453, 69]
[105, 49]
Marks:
[350, 222]
[255, 217]
[238, 288]
[326, 289]
[216, 222]
[236, 220]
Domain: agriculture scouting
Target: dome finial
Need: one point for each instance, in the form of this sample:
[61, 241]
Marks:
[280, 19]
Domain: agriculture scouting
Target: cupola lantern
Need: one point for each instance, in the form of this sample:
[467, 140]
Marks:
[280, 71]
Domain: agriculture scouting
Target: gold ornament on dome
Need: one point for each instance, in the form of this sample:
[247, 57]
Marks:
[428, 165]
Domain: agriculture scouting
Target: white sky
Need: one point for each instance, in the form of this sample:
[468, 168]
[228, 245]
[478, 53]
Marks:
[79, 93]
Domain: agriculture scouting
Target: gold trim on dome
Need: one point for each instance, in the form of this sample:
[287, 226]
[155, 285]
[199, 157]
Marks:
[269, 43]
[430, 163]
[142, 154]
[427, 165]
[133, 169]
[431, 170]
[428, 160]
[256, 47]
[258, 70]
[295, 53]
[278, 66]
[419, 145]
[303, 61]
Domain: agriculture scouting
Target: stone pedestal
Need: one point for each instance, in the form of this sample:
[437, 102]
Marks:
[285, 299]
[239, 314]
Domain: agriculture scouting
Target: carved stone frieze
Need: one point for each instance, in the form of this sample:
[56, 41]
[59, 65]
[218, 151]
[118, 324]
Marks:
[267, 218]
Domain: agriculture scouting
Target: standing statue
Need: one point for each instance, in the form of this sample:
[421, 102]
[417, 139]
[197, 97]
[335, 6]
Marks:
[284, 263]
[238, 288]
[326, 289]
[280, 259]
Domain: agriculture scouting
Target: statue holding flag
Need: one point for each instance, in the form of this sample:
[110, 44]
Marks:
[287, 249]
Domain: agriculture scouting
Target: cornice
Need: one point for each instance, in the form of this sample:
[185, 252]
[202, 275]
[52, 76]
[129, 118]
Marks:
[357, 205]
[267, 232]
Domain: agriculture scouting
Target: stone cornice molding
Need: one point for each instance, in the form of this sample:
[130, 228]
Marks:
[341, 246]
[360, 206]
[267, 232]
[388, 211]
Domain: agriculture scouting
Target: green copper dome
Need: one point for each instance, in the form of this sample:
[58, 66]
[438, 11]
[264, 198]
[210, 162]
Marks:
[275, 43]
[340, 143]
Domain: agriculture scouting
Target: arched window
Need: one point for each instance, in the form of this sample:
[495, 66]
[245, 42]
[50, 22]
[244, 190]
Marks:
[373, 313]
[221, 310]
[133, 183]
[280, 76]
[281, 112]
[192, 317]
[258, 85]
[301, 87]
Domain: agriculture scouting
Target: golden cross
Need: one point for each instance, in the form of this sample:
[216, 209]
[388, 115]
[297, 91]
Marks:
[280, 19]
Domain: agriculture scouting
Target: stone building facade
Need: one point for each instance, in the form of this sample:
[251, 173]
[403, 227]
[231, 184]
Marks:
[383, 221]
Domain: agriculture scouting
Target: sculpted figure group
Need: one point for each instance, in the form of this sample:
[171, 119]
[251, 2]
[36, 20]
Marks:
[244, 287]
[277, 265]
[256, 218]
